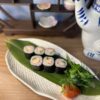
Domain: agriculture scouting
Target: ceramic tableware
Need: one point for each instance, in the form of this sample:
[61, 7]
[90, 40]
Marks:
[89, 21]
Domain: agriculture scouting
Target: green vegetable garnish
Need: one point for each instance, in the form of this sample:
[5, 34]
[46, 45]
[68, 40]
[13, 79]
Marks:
[78, 76]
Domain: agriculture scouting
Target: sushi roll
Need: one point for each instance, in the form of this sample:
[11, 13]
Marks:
[39, 51]
[50, 52]
[48, 63]
[61, 65]
[28, 51]
[36, 62]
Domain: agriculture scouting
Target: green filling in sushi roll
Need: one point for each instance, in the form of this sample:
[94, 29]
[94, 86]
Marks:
[48, 63]
[36, 62]
[61, 65]
[28, 51]
[39, 51]
[50, 52]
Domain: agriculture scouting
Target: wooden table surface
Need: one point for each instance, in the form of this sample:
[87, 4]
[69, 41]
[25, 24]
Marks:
[12, 89]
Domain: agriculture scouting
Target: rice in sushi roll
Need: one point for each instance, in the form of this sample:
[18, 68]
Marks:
[49, 51]
[28, 51]
[39, 51]
[48, 63]
[36, 62]
[61, 65]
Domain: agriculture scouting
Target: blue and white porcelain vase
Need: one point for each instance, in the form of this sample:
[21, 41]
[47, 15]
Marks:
[89, 21]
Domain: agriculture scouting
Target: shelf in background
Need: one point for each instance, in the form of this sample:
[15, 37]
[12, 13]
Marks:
[60, 27]
[26, 27]
[72, 32]
[6, 1]
[54, 8]
[31, 26]
[23, 1]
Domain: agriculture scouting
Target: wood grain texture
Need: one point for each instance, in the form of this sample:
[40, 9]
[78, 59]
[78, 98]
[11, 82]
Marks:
[12, 89]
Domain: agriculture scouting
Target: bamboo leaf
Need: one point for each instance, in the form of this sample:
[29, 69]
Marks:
[16, 49]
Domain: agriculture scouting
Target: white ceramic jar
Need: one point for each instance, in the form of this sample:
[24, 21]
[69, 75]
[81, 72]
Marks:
[69, 5]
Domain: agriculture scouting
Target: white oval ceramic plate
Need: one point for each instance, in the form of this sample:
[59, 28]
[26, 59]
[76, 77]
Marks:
[37, 83]
[48, 21]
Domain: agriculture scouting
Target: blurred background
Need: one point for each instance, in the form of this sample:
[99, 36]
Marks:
[23, 11]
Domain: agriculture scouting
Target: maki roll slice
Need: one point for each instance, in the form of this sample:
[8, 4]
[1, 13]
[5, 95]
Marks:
[61, 65]
[39, 51]
[36, 62]
[50, 52]
[48, 63]
[28, 51]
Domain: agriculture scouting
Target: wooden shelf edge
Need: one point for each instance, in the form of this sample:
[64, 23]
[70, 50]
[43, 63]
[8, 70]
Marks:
[37, 33]
[68, 33]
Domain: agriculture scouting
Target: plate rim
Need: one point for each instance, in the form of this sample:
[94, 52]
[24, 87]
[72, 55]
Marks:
[20, 80]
